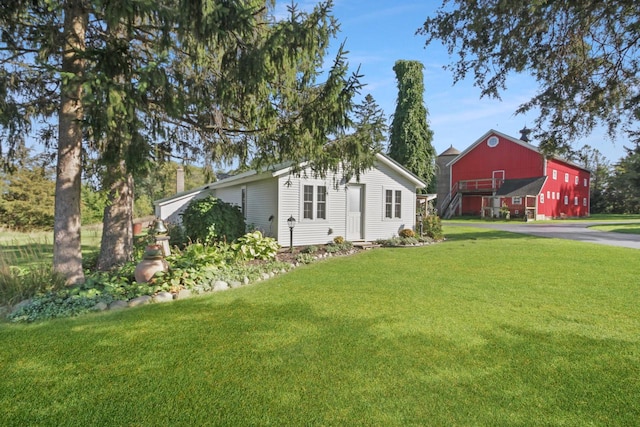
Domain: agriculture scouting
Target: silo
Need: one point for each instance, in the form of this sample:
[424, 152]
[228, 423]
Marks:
[443, 175]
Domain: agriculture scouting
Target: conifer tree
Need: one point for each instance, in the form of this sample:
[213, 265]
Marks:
[410, 136]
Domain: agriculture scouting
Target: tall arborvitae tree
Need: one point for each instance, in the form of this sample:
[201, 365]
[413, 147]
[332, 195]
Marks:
[410, 138]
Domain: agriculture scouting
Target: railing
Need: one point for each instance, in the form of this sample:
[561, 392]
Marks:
[479, 185]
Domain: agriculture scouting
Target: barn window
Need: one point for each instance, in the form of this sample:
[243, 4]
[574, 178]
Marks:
[575, 200]
[548, 195]
[566, 177]
[541, 197]
[566, 200]
[557, 195]
[555, 174]
[584, 201]
[586, 184]
[516, 200]
[577, 180]
[321, 205]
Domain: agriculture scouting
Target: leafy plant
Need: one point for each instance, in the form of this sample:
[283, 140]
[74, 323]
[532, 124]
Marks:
[303, 258]
[432, 227]
[338, 240]
[210, 220]
[310, 249]
[255, 246]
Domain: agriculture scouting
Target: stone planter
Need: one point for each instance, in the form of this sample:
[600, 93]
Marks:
[148, 267]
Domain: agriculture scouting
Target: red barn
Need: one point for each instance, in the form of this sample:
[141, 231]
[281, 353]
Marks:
[499, 174]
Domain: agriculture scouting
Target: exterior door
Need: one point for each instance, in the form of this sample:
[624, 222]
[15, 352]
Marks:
[354, 212]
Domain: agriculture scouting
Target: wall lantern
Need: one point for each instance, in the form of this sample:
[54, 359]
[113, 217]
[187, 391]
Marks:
[292, 223]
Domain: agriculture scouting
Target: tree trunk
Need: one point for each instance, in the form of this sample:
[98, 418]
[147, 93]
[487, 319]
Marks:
[67, 255]
[116, 246]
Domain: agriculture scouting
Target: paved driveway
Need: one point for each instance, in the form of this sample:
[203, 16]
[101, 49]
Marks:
[572, 231]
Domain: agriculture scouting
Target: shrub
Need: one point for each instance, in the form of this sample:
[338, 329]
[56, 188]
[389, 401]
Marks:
[338, 240]
[20, 283]
[432, 225]
[310, 249]
[211, 220]
[407, 232]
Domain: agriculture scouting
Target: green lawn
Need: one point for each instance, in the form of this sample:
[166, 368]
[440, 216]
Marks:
[620, 228]
[24, 249]
[488, 328]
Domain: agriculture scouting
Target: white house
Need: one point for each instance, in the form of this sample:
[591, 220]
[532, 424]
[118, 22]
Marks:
[381, 204]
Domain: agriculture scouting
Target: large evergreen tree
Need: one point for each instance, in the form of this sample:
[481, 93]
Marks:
[410, 138]
[583, 54]
[217, 80]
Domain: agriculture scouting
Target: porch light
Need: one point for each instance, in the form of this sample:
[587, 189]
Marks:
[291, 222]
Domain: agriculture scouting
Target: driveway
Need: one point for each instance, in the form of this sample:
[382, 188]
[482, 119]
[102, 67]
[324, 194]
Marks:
[571, 231]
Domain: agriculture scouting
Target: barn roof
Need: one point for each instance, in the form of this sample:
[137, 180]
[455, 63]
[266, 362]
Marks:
[516, 141]
[521, 187]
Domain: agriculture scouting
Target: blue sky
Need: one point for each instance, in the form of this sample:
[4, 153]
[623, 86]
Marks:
[377, 33]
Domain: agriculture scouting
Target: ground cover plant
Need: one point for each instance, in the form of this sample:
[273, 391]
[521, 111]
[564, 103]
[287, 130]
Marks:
[487, 328]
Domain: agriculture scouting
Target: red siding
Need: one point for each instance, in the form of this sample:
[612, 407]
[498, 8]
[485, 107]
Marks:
[557, 190]
[519, 161]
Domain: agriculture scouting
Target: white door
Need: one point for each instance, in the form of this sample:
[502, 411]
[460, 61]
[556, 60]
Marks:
[354, 212]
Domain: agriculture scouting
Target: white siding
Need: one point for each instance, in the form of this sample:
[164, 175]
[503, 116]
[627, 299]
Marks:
[377, 181]
[170, 210]
[314, 231]
[262, 203]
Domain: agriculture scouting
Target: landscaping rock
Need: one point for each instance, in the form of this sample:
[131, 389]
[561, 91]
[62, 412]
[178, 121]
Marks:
[118, 305]
[265, 276]
[101, 306]
[234, 284]
[245, 280]
[219, 285]
[163, 297]
[184, 293]
[142, 300]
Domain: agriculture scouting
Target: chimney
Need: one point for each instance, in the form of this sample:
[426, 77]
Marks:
[179, 179]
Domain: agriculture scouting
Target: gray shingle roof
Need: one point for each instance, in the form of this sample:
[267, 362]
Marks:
[521, 187]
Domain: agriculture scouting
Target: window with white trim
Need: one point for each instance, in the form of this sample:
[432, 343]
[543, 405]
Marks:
[586, 182]
[307, 207]
[566, 200]
[314, 202]
[557, 195]
[575, 200]
[517, 200]
[553, 195]
[555, 174]
[393, 204]
[548, 195]
[541, 197]
[321, 204]
[577, 180]
[566, 177]
[584, 201]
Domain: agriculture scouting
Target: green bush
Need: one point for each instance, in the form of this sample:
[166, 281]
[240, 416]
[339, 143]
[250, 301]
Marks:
[211, 220]
[20, 283]
[432, 227]
[255, 246]
[338, 240]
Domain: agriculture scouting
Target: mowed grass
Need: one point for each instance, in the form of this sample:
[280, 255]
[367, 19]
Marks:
[619, 228]
[27, 249]
[488, 328]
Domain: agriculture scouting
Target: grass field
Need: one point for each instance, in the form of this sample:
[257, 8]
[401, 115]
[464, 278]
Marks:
[620, 228]
[488, 328]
